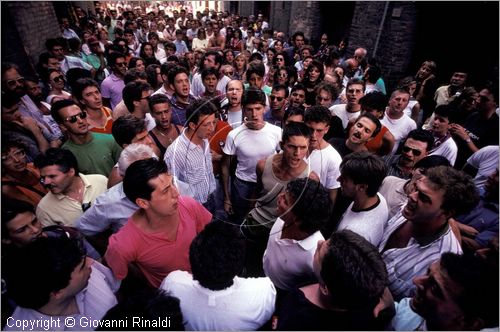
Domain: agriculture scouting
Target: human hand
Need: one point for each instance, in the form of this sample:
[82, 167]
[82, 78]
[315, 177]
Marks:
[228, 206]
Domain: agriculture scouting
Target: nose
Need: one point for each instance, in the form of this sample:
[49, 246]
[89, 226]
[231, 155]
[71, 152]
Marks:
[36, 228]
[175, 192]
[413, 195]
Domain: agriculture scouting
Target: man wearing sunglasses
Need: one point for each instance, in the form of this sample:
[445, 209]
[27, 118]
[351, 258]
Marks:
[416, 146]
[277, 101]
[112, 86]
[96, 153]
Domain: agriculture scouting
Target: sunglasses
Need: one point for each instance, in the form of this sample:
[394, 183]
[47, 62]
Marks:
[18, 154]
[74, 118]
[121, 64]
[280, 59]
[229, 73]
[58, 79]
[276, 98]
[415, 152]
[14, 82]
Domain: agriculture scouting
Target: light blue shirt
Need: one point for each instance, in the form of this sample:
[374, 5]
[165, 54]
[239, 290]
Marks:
[110, 209]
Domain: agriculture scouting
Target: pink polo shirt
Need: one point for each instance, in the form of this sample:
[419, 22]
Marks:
[154, 255]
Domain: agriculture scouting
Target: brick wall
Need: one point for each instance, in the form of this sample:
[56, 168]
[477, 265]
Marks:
[35, 22]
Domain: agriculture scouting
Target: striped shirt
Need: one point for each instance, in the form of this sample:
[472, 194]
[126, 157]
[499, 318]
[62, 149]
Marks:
[403, 264]
[192, 164]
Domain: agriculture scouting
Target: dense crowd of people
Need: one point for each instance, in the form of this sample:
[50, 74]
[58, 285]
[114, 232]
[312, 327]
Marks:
[175, 170]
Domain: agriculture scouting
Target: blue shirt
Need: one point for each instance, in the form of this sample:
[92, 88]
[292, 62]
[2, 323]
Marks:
[110, 209]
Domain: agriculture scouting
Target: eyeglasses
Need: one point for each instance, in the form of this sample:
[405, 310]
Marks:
[229, 73]
[14, 82]
[276, 98]
[415, 152]
[72, 119]
[58, 79]
[14, 155]
[283, 75]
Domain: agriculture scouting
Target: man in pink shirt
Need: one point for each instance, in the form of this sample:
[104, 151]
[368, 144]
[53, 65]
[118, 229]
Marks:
[157, 237]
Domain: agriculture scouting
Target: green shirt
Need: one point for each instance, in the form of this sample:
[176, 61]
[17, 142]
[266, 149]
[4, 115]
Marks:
[97, 156]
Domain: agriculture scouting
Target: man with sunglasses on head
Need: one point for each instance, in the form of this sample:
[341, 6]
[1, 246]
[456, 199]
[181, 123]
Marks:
[277, 102]
[96, 153]
[417, 145]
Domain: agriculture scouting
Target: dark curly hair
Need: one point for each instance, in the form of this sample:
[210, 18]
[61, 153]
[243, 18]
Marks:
[217, 255]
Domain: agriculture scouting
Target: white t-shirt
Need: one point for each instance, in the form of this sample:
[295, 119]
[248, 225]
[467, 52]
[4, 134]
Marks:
[244, 306]
[409, 108]
[197, 87]
[326, 163]
[340, 111]
[369, 223]
[486, 162]
[287, 262]
[235, 119]
[249, 146]
[447, 149]
[399, 128]
[392, 189]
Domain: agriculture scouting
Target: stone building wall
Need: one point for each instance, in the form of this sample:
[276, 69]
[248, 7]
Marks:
[35, 21]
[397, 36]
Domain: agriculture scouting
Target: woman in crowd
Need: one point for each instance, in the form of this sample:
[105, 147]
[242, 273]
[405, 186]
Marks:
[20, 179]
[56, 81]
[313, 76]
[200, 42]
[137, 63]
[236, 43]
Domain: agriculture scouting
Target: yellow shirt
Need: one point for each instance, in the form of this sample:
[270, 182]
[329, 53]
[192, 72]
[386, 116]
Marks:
[60, 209]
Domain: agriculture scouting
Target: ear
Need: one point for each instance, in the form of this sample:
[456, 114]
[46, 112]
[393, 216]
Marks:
[56, 295]
[142, 203]
[324, 289]
[136, 103]
[362, 187]
[192, 125]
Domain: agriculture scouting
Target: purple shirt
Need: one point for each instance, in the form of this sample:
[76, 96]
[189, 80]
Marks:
[112, 88]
